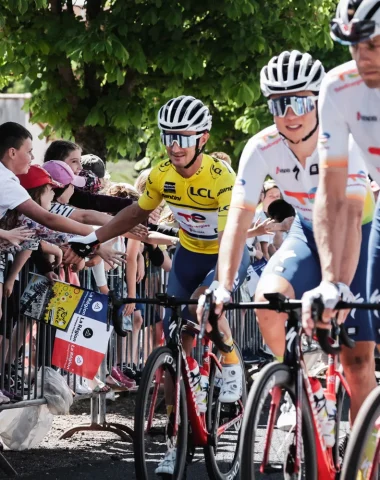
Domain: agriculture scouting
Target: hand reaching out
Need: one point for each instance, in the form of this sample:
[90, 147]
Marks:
[17, 235]
[111, 256]
[139, 231]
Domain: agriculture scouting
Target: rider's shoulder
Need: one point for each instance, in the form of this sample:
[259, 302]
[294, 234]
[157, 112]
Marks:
[161, 167]
[343, 77]
[265, 139]
[215, 167]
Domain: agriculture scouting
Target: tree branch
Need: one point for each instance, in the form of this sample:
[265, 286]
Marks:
[56, 6]
[70, 8]
[94, 7]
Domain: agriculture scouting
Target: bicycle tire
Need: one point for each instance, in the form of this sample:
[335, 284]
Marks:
[341, 396]
[161, 356]
[210, 453]
[273, 375]
[363, 426]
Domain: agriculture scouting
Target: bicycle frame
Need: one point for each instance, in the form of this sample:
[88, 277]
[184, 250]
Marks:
[200, 435]
[327, 470]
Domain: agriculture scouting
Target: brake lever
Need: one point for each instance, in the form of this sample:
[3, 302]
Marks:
[323, 337]
[117, 320]
[215, 335]
[345, 339]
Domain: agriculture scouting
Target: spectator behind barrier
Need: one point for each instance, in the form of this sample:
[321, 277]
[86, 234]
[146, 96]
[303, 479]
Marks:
[269, 194]
[224, 157]
[70, 153]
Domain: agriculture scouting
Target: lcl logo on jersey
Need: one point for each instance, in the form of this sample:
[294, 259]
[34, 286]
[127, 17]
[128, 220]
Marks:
[201, 196]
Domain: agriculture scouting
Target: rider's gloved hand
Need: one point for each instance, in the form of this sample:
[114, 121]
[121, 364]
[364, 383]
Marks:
[84, 246]
[221, 296]
[330, 294]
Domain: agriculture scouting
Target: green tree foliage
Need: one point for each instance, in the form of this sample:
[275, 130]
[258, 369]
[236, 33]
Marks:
[100, 74]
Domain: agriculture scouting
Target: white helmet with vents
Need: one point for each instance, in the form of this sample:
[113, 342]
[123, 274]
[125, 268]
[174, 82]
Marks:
[291, 72]
[356, 21]
[184, 113]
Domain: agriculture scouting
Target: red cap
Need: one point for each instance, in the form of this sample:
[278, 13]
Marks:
[36, 177]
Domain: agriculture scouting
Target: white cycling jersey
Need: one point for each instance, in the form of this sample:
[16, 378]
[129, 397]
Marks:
[347, 106]
[268, 153]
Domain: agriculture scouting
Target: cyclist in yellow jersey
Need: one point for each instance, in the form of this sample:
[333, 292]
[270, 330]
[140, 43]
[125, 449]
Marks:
[198, 190]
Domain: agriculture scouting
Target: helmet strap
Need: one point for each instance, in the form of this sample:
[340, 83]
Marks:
[198, 151]
[306, 137]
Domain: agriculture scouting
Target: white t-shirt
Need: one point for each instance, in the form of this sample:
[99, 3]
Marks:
[12, 194]
[62, 210]
[347, 106]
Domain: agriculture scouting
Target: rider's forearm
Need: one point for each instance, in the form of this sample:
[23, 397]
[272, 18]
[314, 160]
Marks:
[128, 218]
[353, 239]
[232, 245]
[330, 227]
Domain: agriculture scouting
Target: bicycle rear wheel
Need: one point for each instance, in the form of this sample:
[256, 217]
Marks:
[152, 427]
[366, 429]
[222, 458]
[269, 452]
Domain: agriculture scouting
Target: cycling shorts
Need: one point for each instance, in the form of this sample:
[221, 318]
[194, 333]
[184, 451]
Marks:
[298, 262]
[191, 270]
[373, 272]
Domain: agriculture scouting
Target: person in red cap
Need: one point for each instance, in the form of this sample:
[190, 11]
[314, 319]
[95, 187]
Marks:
[16, 156]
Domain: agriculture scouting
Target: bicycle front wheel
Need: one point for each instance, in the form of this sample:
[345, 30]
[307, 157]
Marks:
[224, 421]
[153, 428]
[268, 443]
[363, 449]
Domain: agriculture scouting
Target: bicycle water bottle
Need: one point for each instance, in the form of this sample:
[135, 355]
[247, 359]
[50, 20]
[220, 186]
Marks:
[195, 376]
[326, 409]
[204, 390]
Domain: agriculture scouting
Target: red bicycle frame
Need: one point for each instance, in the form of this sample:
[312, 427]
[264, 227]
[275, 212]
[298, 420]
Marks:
[200, 435]
[327, 469]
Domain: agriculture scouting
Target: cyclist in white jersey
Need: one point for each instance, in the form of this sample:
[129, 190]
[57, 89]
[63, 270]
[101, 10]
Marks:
[349, 106]
[287, 151]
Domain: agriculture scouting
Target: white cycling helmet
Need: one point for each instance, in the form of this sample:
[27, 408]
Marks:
[291, 72]
[184, 113]
[356, 21]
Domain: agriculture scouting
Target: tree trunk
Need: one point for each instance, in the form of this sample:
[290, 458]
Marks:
[92, 140]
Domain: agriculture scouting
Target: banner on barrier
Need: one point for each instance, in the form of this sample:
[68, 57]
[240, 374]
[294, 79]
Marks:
[82, 347]
[54, 303]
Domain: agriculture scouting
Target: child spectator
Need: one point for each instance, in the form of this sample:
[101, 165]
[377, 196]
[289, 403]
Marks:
[70, 153]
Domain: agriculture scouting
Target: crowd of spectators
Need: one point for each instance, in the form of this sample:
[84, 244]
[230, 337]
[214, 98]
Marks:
[43, 202]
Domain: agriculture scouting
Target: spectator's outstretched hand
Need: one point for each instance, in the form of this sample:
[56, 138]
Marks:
[111, 256]
[267, 227]
[69, 256]
[139, 231]
[17, 235]
[95, 260]
[52, 276]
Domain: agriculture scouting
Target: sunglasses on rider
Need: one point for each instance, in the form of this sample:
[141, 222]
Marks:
[356, 31]
[300, 105]
[183, 141]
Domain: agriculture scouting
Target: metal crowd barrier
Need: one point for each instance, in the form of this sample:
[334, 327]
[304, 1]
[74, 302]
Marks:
[30, 345]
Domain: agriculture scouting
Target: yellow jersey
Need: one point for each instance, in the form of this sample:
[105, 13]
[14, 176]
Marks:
[199, 203]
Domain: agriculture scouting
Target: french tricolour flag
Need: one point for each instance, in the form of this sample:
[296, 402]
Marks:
[82, 347]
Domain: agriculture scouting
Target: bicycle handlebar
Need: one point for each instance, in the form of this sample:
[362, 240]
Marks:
[275, 301]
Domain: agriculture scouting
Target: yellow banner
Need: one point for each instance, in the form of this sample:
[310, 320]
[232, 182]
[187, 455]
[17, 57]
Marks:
[62, 304]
